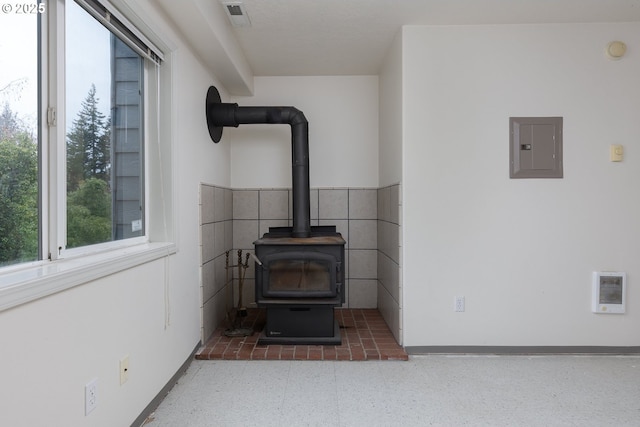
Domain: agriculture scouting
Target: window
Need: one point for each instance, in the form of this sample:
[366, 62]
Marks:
[19, 167]
[79, 104]
[104, 85]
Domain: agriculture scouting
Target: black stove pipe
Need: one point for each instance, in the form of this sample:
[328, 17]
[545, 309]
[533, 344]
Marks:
[221, 115]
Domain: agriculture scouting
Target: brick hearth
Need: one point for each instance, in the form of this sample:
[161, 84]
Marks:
[365, 336]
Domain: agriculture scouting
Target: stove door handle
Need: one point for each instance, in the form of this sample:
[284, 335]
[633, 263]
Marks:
[255, 258]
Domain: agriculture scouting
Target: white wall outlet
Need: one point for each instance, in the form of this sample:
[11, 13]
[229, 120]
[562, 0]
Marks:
[459, 304]
[90, 396]
[124, 369]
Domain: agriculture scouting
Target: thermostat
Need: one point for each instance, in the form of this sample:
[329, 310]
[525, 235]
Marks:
[609, 289]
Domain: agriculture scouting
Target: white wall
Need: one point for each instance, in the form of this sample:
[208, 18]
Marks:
[52, 347]
[520, 251]
[343, 133]
[390, 149]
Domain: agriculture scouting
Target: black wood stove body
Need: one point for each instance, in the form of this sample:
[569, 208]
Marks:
[300, 281]
[299, 269]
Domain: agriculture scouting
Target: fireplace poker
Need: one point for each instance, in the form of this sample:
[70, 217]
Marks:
[242, 270]
[236, 329]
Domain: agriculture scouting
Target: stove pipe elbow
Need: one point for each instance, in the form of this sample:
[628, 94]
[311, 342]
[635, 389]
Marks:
[221, 115]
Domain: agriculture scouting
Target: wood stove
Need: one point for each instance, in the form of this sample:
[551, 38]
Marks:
[300, 281]
[299, 269]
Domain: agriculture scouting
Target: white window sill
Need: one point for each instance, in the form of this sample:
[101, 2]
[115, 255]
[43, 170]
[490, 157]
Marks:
[28, 284]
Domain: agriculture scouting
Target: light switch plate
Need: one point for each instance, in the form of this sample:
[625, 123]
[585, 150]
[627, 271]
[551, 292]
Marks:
[124, 369]
[616, 153]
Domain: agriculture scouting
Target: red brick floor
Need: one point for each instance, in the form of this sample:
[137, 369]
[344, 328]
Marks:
[365, 336]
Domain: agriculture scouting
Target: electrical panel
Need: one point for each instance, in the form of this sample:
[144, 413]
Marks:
[535, 147]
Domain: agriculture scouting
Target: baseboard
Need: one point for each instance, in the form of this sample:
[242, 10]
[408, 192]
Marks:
[163, 393]
[520, 350]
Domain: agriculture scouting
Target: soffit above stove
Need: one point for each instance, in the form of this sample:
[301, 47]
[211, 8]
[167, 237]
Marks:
[338, 37]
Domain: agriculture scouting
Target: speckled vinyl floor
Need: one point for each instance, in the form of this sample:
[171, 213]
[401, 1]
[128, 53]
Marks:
[435, 390]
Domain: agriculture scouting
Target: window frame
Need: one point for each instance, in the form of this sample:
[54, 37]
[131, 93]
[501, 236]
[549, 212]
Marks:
[60, 268]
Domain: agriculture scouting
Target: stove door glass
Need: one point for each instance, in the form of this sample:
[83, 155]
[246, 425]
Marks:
[299, 276]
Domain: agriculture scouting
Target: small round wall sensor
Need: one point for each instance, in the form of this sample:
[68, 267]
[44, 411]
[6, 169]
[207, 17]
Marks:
[616, 49]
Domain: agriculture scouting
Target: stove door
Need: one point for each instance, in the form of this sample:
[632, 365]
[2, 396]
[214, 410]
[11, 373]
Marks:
[299, 275]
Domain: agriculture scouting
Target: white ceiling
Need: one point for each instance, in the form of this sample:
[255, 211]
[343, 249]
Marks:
[350, 37]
